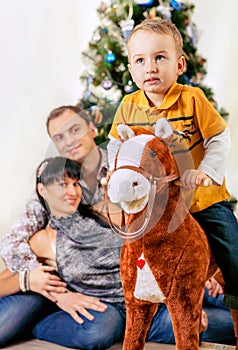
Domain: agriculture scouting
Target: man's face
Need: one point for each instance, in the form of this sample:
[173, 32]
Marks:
[72, 136]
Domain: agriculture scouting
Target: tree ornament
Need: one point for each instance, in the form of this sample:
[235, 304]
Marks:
[126, 27]
[96, 37]
[110, 57]
[192, 33]
[98, 58]
[128, 88]
[165, 11]
[128, 24]
[176, 6]
[106, 84]
[146, 3]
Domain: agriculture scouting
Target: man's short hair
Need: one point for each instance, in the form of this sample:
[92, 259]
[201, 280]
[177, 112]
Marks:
[57, 112]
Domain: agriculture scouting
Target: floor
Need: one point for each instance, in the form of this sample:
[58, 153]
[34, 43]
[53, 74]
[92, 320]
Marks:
[42, 345]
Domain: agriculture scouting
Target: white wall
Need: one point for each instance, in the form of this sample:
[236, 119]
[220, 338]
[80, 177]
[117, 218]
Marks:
[40, 64]
[41, 43]
[217, 23]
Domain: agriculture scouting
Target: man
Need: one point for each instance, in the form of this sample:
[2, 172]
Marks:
[73, 134]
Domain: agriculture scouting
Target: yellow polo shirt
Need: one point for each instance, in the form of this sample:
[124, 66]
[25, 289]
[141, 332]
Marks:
[193, 119]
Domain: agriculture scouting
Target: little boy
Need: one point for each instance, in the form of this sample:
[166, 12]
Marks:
[155, 62]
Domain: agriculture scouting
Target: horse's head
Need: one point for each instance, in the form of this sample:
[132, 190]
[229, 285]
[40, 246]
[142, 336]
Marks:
[143, 159]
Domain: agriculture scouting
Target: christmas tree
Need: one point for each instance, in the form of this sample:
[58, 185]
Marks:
[107, 79]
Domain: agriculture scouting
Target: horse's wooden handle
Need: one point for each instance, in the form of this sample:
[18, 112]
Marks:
[104, 181]
[207, 182]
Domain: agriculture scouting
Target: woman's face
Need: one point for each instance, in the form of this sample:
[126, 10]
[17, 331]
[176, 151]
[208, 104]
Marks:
[62, 197]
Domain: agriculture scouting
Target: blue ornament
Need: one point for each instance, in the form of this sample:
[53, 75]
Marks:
[110, 57]
[176, 6]
[104, 30]
[144, 2]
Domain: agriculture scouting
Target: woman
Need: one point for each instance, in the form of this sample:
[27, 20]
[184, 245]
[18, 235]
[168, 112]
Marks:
[87, 257]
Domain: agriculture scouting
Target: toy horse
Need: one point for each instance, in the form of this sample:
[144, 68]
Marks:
[165, 256]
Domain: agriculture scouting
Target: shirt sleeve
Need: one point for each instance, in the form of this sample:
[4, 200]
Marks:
[215, 159]
[112, 149]
[14, 246]
[120, 117]
[210, 123]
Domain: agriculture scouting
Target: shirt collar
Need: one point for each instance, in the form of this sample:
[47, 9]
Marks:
[170, 98]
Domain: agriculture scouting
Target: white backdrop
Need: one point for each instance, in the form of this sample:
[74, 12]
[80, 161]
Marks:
[40, 64]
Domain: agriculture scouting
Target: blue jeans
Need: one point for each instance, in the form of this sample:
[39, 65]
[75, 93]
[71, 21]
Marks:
[19, 313]
[106, 329]
[220, 225]
[220, 324]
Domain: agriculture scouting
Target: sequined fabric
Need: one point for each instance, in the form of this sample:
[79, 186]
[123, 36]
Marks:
[88, 257]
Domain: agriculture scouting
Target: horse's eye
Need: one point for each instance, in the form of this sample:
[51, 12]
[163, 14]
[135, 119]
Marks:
[153, 154]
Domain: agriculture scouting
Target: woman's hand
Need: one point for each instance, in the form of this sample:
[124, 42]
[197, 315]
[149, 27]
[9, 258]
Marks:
[42, 281]
[75, 303]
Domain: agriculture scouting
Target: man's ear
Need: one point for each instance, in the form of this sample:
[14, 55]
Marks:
[40, 189]
[93, 130]
[181, 65]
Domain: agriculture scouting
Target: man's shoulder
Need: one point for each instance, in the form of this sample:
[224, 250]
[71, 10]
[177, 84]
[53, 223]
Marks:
[104, 157]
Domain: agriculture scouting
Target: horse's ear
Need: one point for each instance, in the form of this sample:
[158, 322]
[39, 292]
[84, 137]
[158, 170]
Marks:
[125, 132]
[164, 130]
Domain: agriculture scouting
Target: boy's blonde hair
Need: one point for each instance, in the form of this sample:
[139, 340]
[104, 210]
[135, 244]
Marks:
[160, 26]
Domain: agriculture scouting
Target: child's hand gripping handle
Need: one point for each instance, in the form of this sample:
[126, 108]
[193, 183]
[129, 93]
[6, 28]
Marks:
[205, 182]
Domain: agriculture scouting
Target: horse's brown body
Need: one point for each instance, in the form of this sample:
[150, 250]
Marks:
[176, 250]
[180, 264]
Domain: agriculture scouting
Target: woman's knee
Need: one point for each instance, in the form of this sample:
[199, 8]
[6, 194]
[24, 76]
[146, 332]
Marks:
[19, 313]
[106, 329]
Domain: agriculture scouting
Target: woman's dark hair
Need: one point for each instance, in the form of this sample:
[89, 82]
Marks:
[56, 169]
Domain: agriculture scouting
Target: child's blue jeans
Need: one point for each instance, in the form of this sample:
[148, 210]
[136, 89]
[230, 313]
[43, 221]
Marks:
[220, 225]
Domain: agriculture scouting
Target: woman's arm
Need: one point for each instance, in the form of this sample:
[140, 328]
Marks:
[41, 280]
[9, 283]
[43, 245]
[14, 245]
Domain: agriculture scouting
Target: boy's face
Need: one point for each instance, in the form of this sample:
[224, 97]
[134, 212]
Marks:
[72, 136]
[154, 63]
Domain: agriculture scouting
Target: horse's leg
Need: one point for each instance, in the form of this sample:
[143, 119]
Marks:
[234, 314]
[186, 313]
[139, 315]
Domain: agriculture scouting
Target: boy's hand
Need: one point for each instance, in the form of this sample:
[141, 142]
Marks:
[192, 179]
